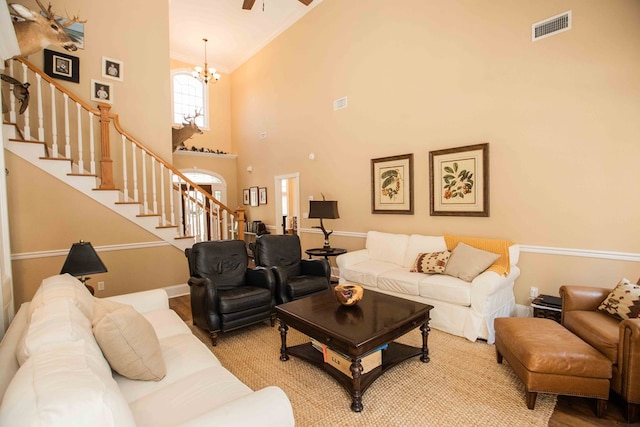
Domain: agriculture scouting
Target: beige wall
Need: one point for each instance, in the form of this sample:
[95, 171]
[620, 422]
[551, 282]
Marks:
[560, 114]
[46, 216]
[218, 136]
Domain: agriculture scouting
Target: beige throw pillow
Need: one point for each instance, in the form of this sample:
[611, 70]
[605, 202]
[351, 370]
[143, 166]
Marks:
[623, 302]
[128, 341]
[431, 263]
[466, 262]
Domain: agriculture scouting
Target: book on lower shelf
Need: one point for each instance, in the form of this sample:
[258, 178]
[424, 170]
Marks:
[342, 362]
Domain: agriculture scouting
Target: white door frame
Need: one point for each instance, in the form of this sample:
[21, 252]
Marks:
[295, 193]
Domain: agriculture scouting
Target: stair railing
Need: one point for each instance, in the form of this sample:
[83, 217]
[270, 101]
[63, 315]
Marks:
[125, 164]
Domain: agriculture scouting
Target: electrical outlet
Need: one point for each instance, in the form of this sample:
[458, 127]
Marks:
[101, 286]
[533, 292]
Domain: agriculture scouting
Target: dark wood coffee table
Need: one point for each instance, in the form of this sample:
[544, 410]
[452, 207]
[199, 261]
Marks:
[355, 331]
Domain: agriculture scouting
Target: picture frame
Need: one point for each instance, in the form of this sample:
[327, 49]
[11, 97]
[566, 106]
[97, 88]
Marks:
[101, 91]
[459, 181]
[262, 195]
[112, 69]
[62, 66]
[392, 185]
[245, 196]
[253, 196]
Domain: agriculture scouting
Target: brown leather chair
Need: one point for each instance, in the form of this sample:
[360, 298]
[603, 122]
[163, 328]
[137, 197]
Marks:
[225, 293]
[617, 340]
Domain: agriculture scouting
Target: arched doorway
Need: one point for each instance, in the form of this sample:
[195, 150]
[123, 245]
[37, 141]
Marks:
[197, 220]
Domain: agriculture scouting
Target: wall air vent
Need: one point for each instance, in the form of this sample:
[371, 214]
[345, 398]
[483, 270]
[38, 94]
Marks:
[549, 27]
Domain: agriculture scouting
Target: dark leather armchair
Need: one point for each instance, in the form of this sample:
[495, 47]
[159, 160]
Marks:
[295, 277]
[619, 340]
[225, 293]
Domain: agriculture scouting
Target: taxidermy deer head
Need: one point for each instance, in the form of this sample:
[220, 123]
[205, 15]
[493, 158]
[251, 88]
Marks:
[35, 32]
[189, 127]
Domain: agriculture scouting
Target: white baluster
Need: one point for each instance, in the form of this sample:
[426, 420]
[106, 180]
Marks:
[145, 204]
[12, 99]
[67, 133]
[134, 165]
[163, 218]
[80, 150]
[154, 191]
[40, 113]
[92, 146]
[171, 199]
[54, 123]
[180, 210]
[125, 189]
[27, 123]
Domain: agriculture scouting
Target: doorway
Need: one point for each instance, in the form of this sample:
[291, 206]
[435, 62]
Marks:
[287, 203]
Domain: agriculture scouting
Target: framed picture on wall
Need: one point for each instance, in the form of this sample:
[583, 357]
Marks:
[253, 196]
[101, 91]
[262, 195]
[245, 196]
[459, 181]
[62, 66]
[392, 185]
[112, 69]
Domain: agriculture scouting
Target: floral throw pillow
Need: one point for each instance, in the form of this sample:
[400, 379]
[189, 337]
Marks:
[623, 302]
[431, 262]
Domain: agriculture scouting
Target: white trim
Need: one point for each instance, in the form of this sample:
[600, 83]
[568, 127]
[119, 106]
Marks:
[110, 248]
[177, 290]
[548, 250]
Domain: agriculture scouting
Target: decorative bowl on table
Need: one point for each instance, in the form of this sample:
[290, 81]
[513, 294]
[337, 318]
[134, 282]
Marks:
[348, 293]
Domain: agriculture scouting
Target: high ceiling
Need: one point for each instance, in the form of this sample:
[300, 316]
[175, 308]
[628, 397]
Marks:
[234, 34]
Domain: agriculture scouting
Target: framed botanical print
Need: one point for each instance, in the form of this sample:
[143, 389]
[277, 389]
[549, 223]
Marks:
[392, 185]
[245, 196]
[459, 181]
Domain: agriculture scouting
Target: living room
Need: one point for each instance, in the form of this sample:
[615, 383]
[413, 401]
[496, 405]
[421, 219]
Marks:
[559, 114]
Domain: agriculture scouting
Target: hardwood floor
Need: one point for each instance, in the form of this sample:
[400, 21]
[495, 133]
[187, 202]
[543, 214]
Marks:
[569, 412]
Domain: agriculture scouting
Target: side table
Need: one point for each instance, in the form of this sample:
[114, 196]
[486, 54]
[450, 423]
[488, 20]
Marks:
[547, 307]
[326, 253]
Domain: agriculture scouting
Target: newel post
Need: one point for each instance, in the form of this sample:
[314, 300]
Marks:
[106, 164]
[241, 220]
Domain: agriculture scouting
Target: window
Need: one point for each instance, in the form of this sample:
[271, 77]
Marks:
[189, 96]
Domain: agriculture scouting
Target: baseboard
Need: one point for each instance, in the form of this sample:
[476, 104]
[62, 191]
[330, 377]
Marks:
[177, 290]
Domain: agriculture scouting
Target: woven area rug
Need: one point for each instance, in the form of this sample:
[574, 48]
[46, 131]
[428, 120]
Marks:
[462, 385]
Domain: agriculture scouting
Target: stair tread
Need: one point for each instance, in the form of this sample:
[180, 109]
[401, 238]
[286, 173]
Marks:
[167, 226]
[82, 174]
[128, 203]
[146, 215]
[56, 158]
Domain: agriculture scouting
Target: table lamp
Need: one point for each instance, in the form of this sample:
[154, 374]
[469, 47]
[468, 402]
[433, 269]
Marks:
[82, 260]
[324, 209]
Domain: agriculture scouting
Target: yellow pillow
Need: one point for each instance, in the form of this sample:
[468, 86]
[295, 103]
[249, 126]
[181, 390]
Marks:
[128, 341]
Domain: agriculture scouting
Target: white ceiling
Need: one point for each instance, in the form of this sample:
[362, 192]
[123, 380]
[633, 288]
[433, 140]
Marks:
[234, 34]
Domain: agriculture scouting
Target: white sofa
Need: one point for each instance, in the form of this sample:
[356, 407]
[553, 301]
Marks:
[64, 379]
[461, 308]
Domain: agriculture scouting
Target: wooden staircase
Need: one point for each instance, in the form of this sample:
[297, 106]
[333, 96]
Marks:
[74, 144]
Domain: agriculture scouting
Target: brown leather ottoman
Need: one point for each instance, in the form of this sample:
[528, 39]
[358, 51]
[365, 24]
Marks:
[549, 359]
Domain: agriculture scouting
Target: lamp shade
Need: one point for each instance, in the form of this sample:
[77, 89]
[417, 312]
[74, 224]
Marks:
[82, 260]
[323, 209]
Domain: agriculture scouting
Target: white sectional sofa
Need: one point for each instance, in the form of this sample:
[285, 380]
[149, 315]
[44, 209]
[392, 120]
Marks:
[463, 308]
[55, 373]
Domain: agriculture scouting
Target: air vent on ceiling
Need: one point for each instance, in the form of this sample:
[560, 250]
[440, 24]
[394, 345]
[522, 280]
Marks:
[549, 27]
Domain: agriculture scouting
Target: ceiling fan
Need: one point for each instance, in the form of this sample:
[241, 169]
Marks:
[248, 4]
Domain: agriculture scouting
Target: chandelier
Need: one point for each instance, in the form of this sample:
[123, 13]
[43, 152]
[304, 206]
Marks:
[205, 74]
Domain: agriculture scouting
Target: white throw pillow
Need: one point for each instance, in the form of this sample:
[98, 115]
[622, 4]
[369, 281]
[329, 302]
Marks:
[128, 341]
[64, 386]
[387, 247]
[56, 322]
[63, 286]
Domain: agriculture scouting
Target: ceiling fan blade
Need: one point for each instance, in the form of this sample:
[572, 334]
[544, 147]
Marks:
[305, 2]
[248, 4]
